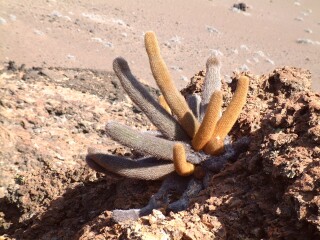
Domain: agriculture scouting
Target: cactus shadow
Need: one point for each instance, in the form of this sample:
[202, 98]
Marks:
[80, 205]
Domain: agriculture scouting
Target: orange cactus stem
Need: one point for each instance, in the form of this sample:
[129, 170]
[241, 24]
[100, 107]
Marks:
[214, 147]
[174, 98]
[162, 101]
[182, 167]
[228, 118]
[209, 122]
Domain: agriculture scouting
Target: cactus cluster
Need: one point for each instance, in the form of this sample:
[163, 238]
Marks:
[194, 131]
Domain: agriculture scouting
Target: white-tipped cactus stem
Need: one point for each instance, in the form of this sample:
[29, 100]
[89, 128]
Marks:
[212, 82]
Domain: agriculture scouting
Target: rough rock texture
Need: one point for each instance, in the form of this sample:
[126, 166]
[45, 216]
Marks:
[48, 119]
[50, 116]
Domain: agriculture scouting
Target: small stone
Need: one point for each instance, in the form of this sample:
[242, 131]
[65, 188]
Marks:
[3, 21]
[240, 6]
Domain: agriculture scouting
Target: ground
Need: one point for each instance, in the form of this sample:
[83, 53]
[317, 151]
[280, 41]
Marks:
[50, 116]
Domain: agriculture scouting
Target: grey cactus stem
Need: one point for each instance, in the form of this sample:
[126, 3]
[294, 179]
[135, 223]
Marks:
[194, 102]
[166, 123]
[232, 151]
[145, 169]
[173, 183]
[212, 82]
[192, 190]
[145, 143]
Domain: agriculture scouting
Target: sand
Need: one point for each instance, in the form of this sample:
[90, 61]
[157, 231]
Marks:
[90, 34]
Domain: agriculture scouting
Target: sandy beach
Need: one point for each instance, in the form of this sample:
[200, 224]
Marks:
[90, 34]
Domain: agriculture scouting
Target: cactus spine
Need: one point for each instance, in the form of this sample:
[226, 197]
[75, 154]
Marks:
[173, 97]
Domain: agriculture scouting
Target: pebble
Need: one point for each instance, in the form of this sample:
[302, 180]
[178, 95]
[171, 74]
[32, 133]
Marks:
[240, 6]
[299, 19]
[58, 156]
[71, 57]
[260, 53]
[103, 42]
[55, 13]
[211, 29]
[307, 41]
[184, 78]
[3, 21]
[269, 61]
[216, 52]
[235, 51]
[256, 60]
[176, 39]
[13, 17]
[244, 68]
[118, 21]
[244, 47]
[38, 32]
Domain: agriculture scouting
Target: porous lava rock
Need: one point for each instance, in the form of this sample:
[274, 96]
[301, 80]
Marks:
[49, 117]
